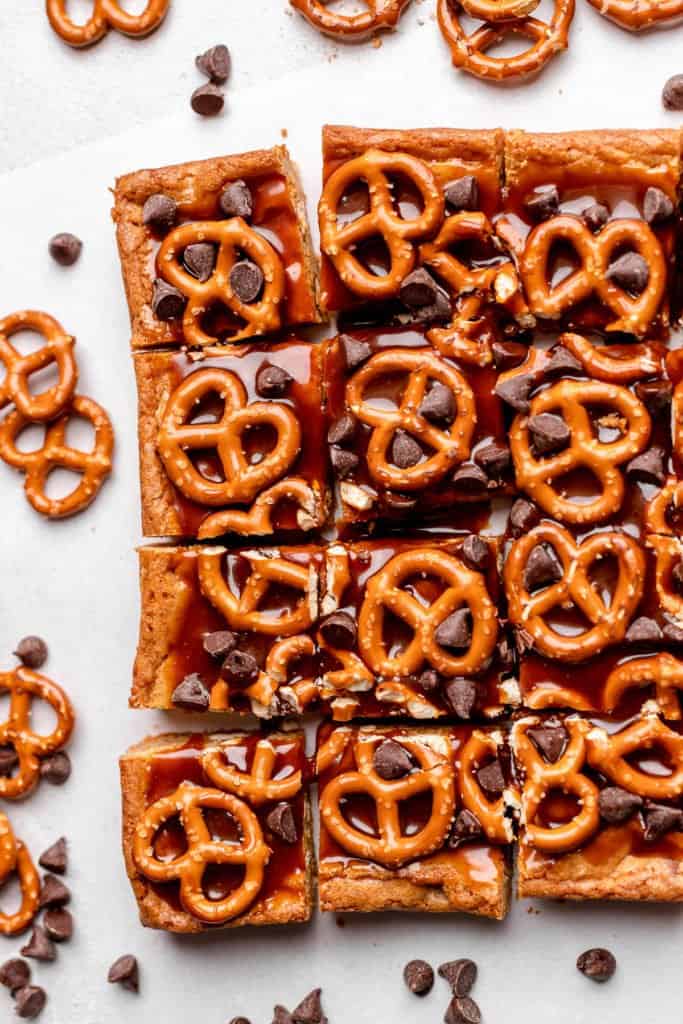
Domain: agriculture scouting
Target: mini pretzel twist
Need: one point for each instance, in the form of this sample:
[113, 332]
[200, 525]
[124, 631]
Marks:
[258, 785]
[464, 588]
[608, 622]
[232, 237]
[668, 499]
[379, 14]
[338, 242]
[542, 477]
[93, 467]
[636, 15]
[662, 671]
[106, 14]
[188, 803]
[469, 51]
[551, 301]
[242, 479]
[445, 447]
[490, 813]
[243, 611]
[391, 847]
[609, 754]
[23, 687]
[258, 521]
[621, 365]
[275, 676]
[15, 859]
[58, 349]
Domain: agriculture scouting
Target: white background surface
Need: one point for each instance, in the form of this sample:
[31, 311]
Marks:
[75, 582]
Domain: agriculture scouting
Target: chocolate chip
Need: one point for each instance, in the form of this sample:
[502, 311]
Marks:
[246, 280]
[630, 272]
[549, 433]
[309, 1010]
[32, 651]
[392, 761]
[491, 779]
[543, 204]
[159, 212]
[643, 630]
[595, 216]
[343, 462]
[523, 641]
[648, 468]
[515, 391]
[220, 643]
[65, 249]
[617, 805]
[53, 892]
[462, 1010]
[236, 200]
[655, 395]
[339, 630]
[418, 289]
[551, 741]
[672, 94]
[125, 972]
[281, 1015]
[660, 819]
[508, 354]
[241, 668]
[343, 430]
[15, 974]
[475, 553]
[59, 925]
[562, 363]
[281, 822]
[506, 655]
[657, 207]
[167, 302]
[469, 477]
[56, 768]
[419, 977]
[215, 64]
[494, 459]
[355, 352]
[272, 381]
[242, 1020]
[39, 947]
[543, 567]
[207, 100]
[523, 517]
[29, 1001]
[8, 761]
[405, 451]
[461, 695]
[460, 974]
[429, 680]
[456, 630]
[191, 694]
[463, 193]
[200, 260]
[438, 406]
[677, 576]
[465, 827]
[597, 964]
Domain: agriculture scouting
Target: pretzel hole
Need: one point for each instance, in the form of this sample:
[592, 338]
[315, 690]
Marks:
[80, 11]
[61, 483]
[580, 486]
[608, 425]
[655, 761]
[414, 814]
[220, 322]
[170, 841]
[396, 634]
[220, 880]
[9, 773]
[30, 439]
[354, 203]
[476, 253]
[80, 434]
[26, 340]
[508, 42]
[43, 380]
[43, 718]
[11, 895]
[557, 808]
[360, 811]
[373, 254]
[563, 261]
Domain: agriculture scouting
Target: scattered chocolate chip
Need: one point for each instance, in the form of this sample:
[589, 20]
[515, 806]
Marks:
[543, 204]
[309, 1010]
[543, 567]
[469, 477]
[59, 925]
[462, 1010]
[242, 1020]
[215, 64]
[355, 352]
[660, 819]
[460, 974]
[463, 193]
[465, 827]
[39, 947]
[456, 630]
[392, 761]
[515, 391]
[461, 695]
[595, 216]
[508, 354]
[491, 779]
[657, 207]
[597, 964]
[551, 740]
[418, 289]
[65, 249]
[672, 94]
[677, 576]
[655, 395]
[494, 459]
[419, 977]
[617, 805]
[53, 892]
[246, 280]
[281, 1015]
[343, 430]
[405, 451]
[241, 668]
[168, 303]
[191, 694]
[125, 972]
[475, 553]
[272, 381]
[549, 433]
[649, 467]
[236, 200]
[159, 212]
[438, 406]
[32, 651]
[207, 100]
[220, 643]
[630, 272]
[561, 363]
[429, 680]
[339, 630]
[200, 260]
[643, 630]
[523, 517]
[9, 760]
[281, 821]
[343, 462]
[29, 1001]
[15, 974]
[56, 768]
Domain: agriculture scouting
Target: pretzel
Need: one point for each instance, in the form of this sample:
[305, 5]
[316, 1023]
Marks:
[242, 479]
[464, 589]
[608, 622]
[331, 751]
[469, 51]
[58, 349]
[258, 521]
[15, 859]
[668, 499]
[391, 847]
[634, 314]
[447, 447]
[257, 785]
[608, 754]
[677, 419]
[636, 15]
[631, 363]
[23, 687]
[554, 696]
[275, 676]
[538, 475]
[232, 237]
[668, 553]
[106, 14]
[353, 676]
[242, 612]
[663, 671]
[94, 467]
[338, 242]
[250, 850]
[380, 14]
[414, 704]
[489, 813]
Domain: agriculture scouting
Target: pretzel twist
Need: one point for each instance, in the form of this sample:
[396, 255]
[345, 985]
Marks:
[258, 520]
[445, 447]
[479, 748]
[634, 313]
[23, 687]
[541, 477]
[391, 847]
[106, 14]
[93, 467]
[276, 673]
[464, 588]
[232, 237]
[608, 622]
[399, 233]
[187, 804]
[379, 14]
[662, 671]
[469, 51]
[15, 859]
[608, 754]
[629, 364]
[58, 349]
[353, 676]
[636, 15]
[668, 499]
[257, 785]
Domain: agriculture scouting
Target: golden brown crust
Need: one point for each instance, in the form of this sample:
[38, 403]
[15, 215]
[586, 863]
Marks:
[154, 383]
[476, 148]
[162, 600]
